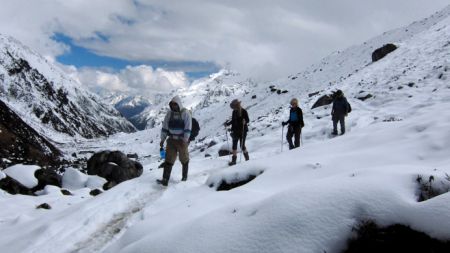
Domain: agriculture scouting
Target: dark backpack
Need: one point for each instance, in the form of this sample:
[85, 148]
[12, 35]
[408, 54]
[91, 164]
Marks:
[349, 108]
[194, 130]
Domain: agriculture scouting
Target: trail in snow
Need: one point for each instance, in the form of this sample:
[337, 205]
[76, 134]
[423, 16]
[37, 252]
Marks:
[108, 232]
[111, 231]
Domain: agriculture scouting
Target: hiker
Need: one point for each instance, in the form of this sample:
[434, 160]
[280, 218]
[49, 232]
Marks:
[177, 127]
[295, 124]
[195, 129]
[239, 128]
[341, 108]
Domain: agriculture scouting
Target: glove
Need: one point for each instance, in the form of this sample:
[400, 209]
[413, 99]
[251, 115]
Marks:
[284, 123]
[186, 140]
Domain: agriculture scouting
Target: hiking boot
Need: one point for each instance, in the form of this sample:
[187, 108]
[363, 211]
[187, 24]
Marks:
[246, 156]
[233, 160]
[185, 170]
[166, 174]
[334, 133]
[163, 181]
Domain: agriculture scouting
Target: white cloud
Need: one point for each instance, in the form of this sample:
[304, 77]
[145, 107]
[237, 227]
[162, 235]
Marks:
[260, 37]
[136, 80]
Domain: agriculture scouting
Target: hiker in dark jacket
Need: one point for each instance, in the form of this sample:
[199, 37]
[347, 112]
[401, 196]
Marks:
[341, 108]
[295, 124]
[177, 128]
[239, 128]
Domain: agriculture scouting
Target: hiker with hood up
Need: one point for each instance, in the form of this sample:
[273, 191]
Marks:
[239, 128]
[295, 124]
[341, 108]
[177, 128]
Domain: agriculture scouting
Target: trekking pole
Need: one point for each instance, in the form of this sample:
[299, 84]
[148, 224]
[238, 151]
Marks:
[228, 144]
[301, 139]
[242, 139]
[282, 135]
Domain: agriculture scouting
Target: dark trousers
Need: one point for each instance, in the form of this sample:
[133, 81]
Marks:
[294, 131]
[341, 120]
[241, 139]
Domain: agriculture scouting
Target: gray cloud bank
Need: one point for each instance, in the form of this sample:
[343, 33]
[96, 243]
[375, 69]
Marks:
[261, 38]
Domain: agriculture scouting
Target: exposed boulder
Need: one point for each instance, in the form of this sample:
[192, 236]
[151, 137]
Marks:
[381, 52]
[44, 206]
[114, 166]
[13, 186]
[224, 152]
[364, 98]
[323, 100]
[47, 177]
[95, 192]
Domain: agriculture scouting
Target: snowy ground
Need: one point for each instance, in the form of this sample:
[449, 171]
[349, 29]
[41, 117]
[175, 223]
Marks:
[306, 200]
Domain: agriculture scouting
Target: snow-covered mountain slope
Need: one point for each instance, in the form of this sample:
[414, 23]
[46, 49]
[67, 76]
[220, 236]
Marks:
[48, 100]
[129, 106]
[201, 96]
[307, 199]
[351, 70]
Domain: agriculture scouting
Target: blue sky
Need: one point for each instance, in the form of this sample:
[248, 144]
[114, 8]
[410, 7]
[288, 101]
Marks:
[81, 57]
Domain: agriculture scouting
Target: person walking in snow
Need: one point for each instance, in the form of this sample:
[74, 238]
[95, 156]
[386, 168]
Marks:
[177, 128]
[239, 128]
[295, 123]
[340, 109]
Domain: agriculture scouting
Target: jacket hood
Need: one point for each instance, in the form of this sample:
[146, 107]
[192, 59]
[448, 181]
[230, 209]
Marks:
[177, 100]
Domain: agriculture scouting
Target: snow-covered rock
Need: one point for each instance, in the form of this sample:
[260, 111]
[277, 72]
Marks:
[24, 174]
[73, 179]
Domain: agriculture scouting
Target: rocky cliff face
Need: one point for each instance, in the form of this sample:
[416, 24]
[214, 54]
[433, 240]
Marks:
[19, 143]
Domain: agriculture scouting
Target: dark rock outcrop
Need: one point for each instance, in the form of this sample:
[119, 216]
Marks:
[114, 166]
[381, 52]
[371, 238]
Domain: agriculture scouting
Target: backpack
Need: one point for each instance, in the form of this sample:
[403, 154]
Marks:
[195, 129]
[349, 108]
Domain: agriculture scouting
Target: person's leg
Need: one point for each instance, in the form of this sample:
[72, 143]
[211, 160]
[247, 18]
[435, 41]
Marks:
[184, 158]
[244, 148]
[171, 156]
[335, 122]
[234, 157]
[297, 131]
[289, 135]
[342, 121]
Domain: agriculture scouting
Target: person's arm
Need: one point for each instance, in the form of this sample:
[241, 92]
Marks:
[165, 128]
[187, 118]
[246, 118]
[300, 117]
[332, 107]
